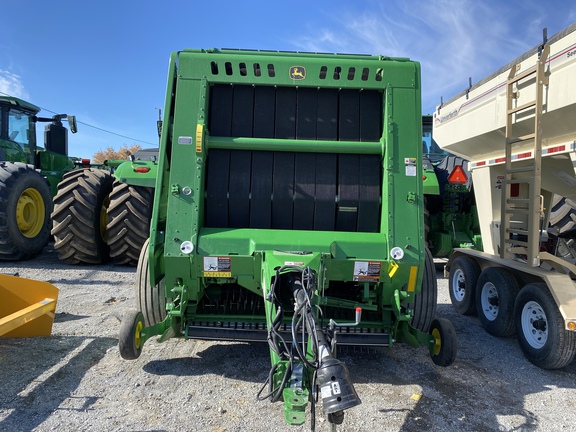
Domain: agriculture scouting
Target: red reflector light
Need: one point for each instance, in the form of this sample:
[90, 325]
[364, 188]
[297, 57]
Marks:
[458, 176]
[86, 161]
[141, 169]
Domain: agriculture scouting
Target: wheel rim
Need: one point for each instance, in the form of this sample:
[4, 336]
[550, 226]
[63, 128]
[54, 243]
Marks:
[137, 333]
[534, 324]
[458, 285]
[437, 341]
[30, 213]
[489, 301]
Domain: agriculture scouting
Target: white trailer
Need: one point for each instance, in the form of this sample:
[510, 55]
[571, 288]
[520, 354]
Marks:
[517, 129]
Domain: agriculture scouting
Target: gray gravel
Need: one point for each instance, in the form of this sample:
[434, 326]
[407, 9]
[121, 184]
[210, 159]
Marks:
[76, 379]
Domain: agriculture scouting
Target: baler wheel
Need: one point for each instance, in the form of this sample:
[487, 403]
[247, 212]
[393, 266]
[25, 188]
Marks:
[79, 216]
[130, 338]
[464, 274]
[151, 300]
[25, 217]
[424, 305]
[128, 225]
[444, 351]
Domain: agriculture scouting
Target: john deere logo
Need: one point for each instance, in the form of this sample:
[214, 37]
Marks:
[297, 72]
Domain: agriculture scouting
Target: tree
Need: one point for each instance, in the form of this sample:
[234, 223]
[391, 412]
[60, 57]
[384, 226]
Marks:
[110, 153]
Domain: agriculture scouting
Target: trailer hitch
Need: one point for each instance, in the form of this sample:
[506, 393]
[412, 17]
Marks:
[308, 362]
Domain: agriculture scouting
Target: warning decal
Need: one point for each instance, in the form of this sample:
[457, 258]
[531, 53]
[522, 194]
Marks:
[366, 271]
[217, 267]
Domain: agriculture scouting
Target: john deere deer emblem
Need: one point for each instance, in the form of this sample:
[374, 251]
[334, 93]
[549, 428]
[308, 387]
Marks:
[297, 72]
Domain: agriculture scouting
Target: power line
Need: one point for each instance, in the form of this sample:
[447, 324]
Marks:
[93, 127]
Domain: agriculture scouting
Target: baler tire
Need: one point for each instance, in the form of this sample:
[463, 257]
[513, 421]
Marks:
[128, 225]
[540, 328]
[25, 217]
[151, 300]
[445, 346]
[79, 216]
[464, 274]
[129, 339]
[496, 292]
[424, 305]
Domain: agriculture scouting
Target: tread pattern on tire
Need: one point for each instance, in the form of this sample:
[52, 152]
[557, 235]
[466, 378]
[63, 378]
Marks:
[13, 245]
[424, 304]
[151, 300]
[76, 216]
[128, 225]
[562, 216]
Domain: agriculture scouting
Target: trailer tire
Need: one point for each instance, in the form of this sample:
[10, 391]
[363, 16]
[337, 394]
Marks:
[128, 225]
[424, 305]
[130, 339]
[25, 214]
[496, 292]
[445, 346]
[464, 274]
[151, 300]
[79, 216]
[540, 328]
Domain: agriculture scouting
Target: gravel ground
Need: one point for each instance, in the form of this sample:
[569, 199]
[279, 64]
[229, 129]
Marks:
[76, 379]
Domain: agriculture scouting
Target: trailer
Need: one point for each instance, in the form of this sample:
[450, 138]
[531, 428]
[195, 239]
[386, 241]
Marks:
[516, 129]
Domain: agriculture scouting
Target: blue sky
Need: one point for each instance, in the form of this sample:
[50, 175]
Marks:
[106, 61]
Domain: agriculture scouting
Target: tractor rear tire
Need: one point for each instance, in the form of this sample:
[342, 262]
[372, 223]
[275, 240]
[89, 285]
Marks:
[128, 226]
[562, 216]
[424, 305]
[79, 216]
[25, 214]
[151, 300]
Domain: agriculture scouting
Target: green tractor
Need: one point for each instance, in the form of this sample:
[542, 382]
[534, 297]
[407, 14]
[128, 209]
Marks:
[450, 212]
[29, 176]
[289, 209]
[94, 211]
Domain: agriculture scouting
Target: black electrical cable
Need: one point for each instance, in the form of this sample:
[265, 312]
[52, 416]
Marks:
[94, 127]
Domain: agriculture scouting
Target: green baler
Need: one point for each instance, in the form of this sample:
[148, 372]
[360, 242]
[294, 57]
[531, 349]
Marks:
[289, 209]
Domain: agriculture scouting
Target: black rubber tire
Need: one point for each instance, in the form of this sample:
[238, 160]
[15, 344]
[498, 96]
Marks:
[464, 274]
[424, 305]
[445, 344]
[562, 216]
[496, 293]
[129, 340]
[78, 219]
[128, 225]
[25, 197]
[151, 300]
[540, 328]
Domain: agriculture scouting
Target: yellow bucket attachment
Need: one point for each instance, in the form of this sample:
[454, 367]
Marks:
[26, 307]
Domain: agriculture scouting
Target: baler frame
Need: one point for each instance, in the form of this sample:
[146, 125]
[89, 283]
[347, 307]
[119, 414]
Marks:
[237, 228]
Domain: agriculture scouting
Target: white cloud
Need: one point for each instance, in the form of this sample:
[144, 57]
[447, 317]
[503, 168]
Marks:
[452, 39]
[11, 84]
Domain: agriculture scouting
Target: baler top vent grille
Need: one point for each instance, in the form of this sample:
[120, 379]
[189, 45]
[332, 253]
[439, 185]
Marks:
[336, 72]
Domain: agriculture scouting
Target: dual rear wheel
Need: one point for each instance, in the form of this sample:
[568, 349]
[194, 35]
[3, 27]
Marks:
[96, 218]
